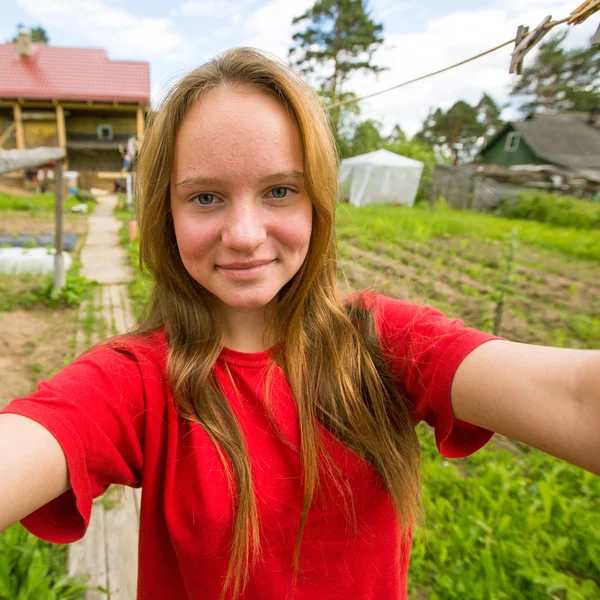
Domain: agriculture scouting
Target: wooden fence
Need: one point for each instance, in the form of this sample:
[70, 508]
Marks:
[469, 189]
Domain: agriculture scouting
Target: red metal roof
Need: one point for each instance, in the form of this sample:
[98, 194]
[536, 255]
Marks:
[71, 74]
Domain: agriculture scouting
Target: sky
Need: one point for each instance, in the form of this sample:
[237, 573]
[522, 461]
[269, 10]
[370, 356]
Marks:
[420, 36]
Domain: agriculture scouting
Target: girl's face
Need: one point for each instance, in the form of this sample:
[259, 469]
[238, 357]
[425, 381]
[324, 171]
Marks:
[242, 216]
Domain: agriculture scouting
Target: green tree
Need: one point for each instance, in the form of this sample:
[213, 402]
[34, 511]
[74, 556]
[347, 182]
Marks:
[397, 135]
[417, 151]
[560, 79]
[460, 131]
[38, 34]
[367, 138]
[454, 132]
[489, 115]
[339, 39]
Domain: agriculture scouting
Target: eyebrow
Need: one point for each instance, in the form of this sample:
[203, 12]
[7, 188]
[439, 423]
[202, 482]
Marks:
[199, 180]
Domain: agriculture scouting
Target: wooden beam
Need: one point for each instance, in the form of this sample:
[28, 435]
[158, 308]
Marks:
[19, 127]
[60, 127]
[107, 106]
[62, 131]
[59, 194]
[141, 125]
[6, 134]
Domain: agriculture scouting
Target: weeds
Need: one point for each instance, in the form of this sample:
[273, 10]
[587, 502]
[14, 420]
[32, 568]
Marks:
[32, 569]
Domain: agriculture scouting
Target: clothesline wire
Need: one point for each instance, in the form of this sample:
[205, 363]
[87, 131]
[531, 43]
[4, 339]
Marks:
[550, 25]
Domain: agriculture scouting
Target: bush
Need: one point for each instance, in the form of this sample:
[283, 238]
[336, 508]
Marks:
[544, 207]
[31, 569]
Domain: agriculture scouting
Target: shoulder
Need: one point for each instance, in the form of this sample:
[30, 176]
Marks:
[394, 315]
[126, 356]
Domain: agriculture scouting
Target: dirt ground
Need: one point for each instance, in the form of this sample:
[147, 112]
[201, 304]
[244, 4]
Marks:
[34, 345]
[549, 292]
[16, 222]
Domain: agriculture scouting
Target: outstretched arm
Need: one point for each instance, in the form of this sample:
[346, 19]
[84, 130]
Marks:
[546, 397]
[33, 468]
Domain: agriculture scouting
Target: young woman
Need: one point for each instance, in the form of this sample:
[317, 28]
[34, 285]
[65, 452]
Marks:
[270, 422]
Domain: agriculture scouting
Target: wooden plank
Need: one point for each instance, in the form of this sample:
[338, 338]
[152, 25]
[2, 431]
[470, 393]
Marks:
[98, 305]
[126, 303]
[140, 123]
[106, 309]
[117, 309]
[6, 134]
[19, 127]
[121, 107]
[60, 126]
[88, 555]
[109, 175]
[104, 106]
[137, 492]
[59, 266]
[122, 529]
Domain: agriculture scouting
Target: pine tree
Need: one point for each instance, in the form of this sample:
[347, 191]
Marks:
[460, 131]
[560, 79]
[340, 39]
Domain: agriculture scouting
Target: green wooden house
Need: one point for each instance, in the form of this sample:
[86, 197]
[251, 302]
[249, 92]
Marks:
[570, 141]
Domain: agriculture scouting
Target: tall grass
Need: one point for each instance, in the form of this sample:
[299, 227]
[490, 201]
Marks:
[375, 225]
[506, 525]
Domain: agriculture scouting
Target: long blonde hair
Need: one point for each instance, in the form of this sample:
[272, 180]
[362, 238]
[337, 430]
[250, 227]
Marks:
[348, 387]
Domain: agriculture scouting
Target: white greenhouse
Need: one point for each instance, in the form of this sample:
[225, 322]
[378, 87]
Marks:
[380, 177]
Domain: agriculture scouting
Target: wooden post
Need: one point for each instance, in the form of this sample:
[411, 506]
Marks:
[59, 265]
[129, 188]
[140, 123]
[61, 130]
[19, 127]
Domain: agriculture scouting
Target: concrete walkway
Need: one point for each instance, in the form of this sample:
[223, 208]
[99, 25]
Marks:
[109, 551]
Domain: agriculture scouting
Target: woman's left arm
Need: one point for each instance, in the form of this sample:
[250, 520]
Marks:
[546, 397]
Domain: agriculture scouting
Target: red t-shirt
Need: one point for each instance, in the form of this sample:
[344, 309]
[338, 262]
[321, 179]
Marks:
[116, 422]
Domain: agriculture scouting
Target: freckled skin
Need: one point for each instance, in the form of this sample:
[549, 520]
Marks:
[238, 137]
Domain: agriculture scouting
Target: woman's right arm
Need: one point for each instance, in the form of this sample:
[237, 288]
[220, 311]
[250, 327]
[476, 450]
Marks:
[33, 468]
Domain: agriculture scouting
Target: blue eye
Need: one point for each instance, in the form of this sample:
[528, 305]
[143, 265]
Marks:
[280, 193]
[204, 199]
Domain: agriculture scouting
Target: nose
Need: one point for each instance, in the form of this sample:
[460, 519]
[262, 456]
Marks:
[245, 228]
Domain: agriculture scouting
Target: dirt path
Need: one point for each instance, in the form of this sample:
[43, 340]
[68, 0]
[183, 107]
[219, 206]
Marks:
[109, 551]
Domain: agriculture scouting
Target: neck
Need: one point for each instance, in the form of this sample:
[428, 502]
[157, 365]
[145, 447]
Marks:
[245, 330]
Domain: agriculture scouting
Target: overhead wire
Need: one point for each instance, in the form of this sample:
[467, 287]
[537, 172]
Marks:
[550, 25]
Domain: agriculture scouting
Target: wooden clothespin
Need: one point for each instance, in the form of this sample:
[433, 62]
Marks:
[596, 38]
[583, 12]
[525, 42]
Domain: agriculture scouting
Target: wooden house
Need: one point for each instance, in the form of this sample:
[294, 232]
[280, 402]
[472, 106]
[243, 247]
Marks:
[567, 141]
[74, 98]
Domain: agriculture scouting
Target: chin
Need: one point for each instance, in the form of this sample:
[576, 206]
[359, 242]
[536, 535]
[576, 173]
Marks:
[246, 301]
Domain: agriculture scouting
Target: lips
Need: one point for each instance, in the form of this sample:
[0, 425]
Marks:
[241, 266]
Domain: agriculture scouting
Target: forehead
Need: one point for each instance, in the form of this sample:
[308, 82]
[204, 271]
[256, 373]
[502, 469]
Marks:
[237, 131]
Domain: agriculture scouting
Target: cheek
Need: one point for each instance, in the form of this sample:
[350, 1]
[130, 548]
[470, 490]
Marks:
[193, 236]
[295, 231]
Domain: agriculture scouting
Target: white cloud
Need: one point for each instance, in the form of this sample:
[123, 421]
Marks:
[201, 8]
[123, 34]
[270, 26]
[387, 8]
[445, 41]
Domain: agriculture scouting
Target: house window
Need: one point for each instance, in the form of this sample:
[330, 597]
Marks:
[105, 132]
[512, 141]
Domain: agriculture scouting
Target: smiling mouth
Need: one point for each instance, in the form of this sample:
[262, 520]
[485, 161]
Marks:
[245, 271]
[243, 266]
